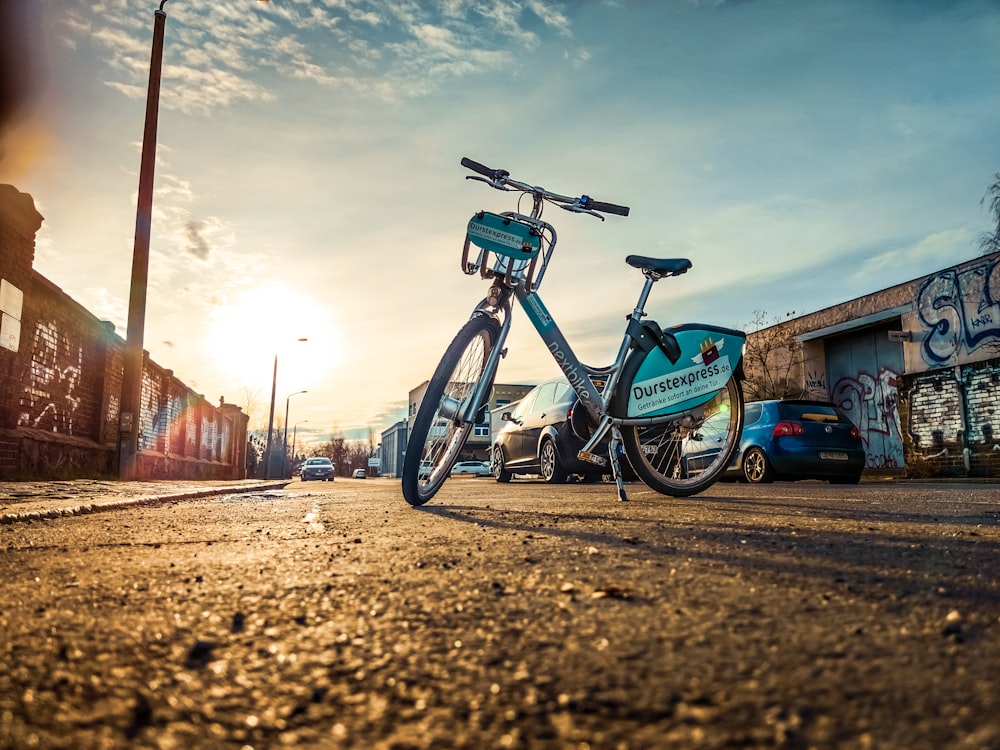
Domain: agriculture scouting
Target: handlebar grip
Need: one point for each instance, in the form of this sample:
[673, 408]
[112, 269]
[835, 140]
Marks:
[607, 208]
[482, 169]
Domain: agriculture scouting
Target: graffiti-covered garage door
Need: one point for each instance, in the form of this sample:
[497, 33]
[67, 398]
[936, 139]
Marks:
[863, 369]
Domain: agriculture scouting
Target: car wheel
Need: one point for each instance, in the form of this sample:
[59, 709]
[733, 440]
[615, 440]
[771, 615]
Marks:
[501, 474]
[756, 468]
[548, 462]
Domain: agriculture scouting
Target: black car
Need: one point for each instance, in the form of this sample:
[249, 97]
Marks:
[538, 437]
[317, 468]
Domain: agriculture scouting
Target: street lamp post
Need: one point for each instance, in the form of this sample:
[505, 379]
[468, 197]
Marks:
[284, 449]
[131, 392]
[270, 418]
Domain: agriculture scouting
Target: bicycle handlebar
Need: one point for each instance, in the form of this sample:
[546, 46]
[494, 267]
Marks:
[500, 179]
[475, 166]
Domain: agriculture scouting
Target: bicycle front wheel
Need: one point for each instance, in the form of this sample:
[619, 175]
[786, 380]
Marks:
[687, 453]
[439, 432]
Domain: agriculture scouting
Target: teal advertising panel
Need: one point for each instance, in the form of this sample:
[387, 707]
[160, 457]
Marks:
[709, 357]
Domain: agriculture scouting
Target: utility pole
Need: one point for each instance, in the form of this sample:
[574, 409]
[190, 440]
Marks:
[131, 393]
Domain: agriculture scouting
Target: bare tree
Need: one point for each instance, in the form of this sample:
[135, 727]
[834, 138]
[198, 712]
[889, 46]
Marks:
[337, 450]
[773, 359]
[359, 451]
[250, 397]
[989, 242]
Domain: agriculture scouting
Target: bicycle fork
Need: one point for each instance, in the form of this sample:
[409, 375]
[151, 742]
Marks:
[469, 408]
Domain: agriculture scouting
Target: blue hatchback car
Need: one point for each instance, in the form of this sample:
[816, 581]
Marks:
[788, 439]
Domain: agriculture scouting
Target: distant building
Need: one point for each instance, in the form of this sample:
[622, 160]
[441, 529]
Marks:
[477, 447]
[392, 449]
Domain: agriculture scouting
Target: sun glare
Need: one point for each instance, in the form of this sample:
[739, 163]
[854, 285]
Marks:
[244, 335]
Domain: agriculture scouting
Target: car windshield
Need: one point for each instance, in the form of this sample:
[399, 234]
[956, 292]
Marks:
[315, 461]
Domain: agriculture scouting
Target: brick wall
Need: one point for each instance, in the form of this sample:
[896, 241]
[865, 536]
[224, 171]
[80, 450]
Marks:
[62, 365]
[982, 410]
[934, 439]
[60, 386]
[955, 421]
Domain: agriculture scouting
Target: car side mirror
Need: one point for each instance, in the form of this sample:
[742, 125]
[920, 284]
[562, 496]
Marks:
[508, 417]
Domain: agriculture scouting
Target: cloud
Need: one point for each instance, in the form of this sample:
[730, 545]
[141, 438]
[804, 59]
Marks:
[938, 249]
[215, 53]
[198, 244]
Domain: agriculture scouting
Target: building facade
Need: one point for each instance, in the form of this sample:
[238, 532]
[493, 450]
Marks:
[916, 367]
[391, 450]
[60, 384]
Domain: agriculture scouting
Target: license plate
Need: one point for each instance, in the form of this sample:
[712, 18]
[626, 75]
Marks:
[833, 455]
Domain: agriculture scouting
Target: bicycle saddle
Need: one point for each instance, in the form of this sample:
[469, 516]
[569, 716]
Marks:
[659, 266]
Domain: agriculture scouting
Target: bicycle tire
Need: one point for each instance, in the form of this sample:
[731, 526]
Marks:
[438, 437]
[657, 452]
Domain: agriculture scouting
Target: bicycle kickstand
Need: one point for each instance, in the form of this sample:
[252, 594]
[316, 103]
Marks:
[614, 448]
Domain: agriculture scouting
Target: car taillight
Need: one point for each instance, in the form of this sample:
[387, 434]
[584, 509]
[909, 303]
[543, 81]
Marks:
[784, 429]
[855, 433]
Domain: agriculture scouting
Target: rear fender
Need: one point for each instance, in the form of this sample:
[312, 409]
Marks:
[652, 385]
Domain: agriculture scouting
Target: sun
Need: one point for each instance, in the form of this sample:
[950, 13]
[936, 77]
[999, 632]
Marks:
[244, 335]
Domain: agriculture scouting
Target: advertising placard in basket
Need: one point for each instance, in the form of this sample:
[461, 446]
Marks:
[504, 236]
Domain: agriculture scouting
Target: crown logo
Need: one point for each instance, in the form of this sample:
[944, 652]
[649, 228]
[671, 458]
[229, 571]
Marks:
[709, 351]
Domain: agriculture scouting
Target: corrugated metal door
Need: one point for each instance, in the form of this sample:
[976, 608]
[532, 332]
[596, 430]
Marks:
[864, 369]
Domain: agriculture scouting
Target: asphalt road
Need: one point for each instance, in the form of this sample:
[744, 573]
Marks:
[509, 616]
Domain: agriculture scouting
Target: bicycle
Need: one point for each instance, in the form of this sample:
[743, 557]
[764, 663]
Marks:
[672, 399]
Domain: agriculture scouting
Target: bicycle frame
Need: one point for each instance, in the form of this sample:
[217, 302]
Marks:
[580, 375]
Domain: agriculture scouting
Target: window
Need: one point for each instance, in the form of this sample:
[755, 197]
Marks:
[545, 395]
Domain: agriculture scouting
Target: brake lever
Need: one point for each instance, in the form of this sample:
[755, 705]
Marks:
[578, 209]
[491, 183]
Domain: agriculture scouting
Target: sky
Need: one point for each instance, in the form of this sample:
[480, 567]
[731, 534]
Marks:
[307, 185]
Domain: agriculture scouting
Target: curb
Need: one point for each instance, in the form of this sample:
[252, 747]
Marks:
[99, 507]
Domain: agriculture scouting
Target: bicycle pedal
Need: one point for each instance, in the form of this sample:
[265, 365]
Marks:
[592, 458]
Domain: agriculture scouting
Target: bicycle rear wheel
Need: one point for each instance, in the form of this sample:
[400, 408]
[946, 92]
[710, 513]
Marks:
[687, 453]
[439, 433]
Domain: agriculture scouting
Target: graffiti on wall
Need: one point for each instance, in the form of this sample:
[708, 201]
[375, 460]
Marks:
[961, 312]
[816, 380]
[872, 404]
[52, 392]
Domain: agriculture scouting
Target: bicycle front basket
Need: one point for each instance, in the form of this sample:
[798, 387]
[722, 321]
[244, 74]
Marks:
[503, 235]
